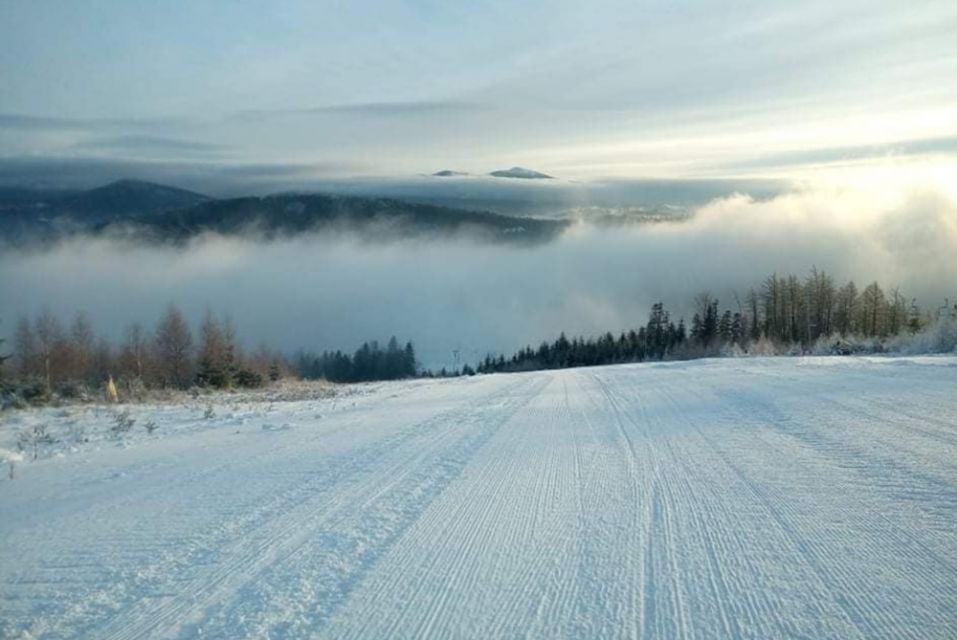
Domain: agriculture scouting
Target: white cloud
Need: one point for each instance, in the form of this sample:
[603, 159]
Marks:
[337, 292]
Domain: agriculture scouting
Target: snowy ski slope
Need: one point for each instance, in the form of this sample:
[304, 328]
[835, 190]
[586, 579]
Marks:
[753, 498]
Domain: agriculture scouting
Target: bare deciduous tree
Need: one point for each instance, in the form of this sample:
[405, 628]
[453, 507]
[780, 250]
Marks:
[173, 346]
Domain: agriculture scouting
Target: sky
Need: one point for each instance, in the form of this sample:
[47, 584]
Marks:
[707, 105]
[579, 90]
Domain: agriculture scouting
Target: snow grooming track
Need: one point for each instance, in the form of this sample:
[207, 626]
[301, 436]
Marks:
[755, 498]
[410, 468]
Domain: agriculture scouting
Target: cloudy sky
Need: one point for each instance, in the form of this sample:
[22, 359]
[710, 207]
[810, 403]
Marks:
[581, 90]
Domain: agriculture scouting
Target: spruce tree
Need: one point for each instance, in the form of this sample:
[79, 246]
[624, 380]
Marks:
[3, 357]
[408, 360]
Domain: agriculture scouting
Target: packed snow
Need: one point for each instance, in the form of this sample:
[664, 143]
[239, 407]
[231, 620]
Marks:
[730, 498]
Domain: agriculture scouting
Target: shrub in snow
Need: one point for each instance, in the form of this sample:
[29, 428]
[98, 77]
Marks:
[11, 458]
[794, 349]
[135, 389]
[938, 337]
[762, 347]
[732, 350]
[122, 423]
[23, 393]
[247, 379]
[77, 430]
[150, 426]
[209, 414]
[830, 346]
[32, 439]
[73, 391]
[846, 346]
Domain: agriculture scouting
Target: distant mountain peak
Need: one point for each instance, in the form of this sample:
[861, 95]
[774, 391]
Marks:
[521, 172]
[132, 185]
[449, 173]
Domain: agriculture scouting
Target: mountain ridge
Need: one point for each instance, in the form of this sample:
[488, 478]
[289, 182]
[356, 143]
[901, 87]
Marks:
[145, 212]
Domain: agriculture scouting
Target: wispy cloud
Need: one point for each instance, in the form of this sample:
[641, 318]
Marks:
[215, 178]
[857, 153]
[607, 88]
[137, 145]
[368, 109]
[22, 122]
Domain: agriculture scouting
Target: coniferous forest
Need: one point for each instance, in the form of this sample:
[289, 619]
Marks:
[781, 315]
[369, 362]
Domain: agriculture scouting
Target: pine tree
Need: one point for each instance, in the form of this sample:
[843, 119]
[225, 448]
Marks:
[913, 321]
[724, 327]
[3, 357]
[739, 329]
[408, 361]
[393, 360]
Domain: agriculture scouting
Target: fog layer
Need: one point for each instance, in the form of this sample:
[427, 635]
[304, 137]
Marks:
[335, 292]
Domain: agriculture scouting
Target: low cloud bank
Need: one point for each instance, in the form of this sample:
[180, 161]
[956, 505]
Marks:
[470, 297]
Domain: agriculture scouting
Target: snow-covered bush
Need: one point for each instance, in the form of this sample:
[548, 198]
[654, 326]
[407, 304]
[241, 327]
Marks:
[732, 350]
[846, 346]
[77, 431]
[32, 439]
[762, 347]
[11, 458]
[122, 423]
[939, 337]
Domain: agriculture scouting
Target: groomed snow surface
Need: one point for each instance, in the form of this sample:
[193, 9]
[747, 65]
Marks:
[754, 498]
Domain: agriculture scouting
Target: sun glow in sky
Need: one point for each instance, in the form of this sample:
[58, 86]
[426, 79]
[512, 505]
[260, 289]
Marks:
[809, 90]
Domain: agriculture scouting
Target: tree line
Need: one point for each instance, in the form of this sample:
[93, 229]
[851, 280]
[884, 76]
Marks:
[782, 313]
[369, 362]
[68, 358]
[659, 338]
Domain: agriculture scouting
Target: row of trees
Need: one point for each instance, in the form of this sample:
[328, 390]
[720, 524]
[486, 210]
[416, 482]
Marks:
[50, 357]
[783, 312]
[790, 309]
[658, 339]
[794, 311]
[369, 362]
[4, 356]
[64, 358]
